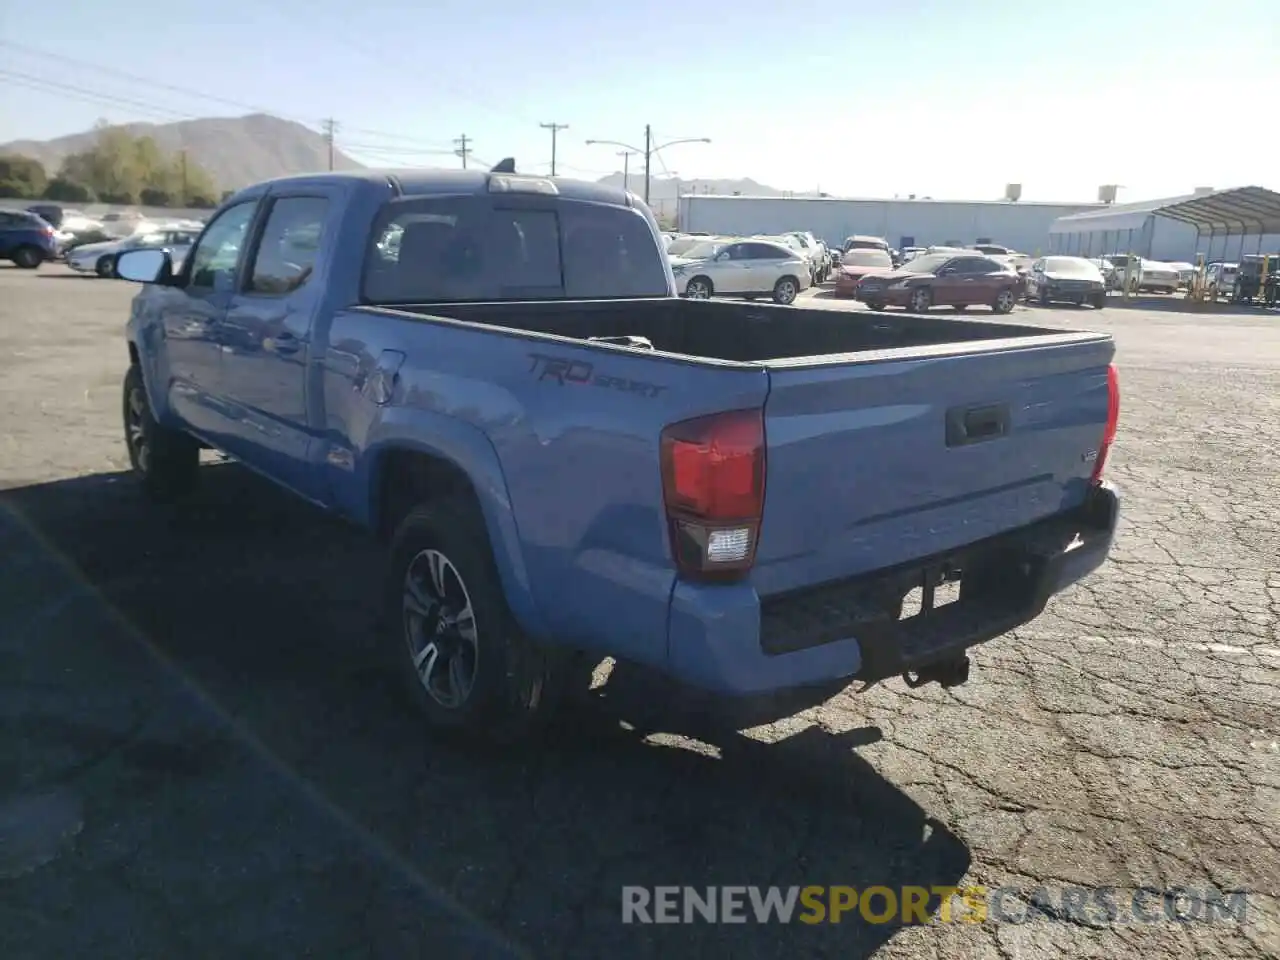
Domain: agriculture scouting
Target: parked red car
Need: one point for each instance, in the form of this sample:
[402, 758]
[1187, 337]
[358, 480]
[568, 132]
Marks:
[944, 279]
[858, 264]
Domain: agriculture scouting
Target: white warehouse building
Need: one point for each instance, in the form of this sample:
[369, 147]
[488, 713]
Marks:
[1023, 225]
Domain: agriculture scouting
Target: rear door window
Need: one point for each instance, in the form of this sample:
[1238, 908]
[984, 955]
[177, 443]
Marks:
[472, 249]
[766, 251]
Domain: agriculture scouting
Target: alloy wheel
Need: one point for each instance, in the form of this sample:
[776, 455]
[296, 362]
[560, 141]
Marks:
[440, 629]
[136, 430]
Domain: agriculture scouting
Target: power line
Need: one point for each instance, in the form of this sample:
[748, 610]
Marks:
[437, 80]
[125, 75]
[173, 88]
[555, 129]
[394, 151]
[463, 150]
[73, 92]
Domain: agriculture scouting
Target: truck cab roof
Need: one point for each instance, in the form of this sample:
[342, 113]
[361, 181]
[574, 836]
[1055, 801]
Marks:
[411, 183]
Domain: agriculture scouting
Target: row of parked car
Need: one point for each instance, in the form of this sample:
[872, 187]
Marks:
[958, 277]
[47, 232]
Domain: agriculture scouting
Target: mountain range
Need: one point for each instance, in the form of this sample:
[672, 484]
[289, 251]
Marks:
[238, 151]
[234, 151]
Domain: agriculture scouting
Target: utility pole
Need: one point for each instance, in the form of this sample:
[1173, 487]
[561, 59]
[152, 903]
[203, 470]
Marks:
[626, 167]
[463, 150]
[555, 128]
[182, 159]
[330, 128]
[648, 155]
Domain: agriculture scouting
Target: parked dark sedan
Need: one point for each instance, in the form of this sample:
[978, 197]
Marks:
[943, 279]
[1067, 280]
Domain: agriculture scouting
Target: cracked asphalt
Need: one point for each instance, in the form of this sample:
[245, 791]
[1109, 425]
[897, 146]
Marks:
[201, 754]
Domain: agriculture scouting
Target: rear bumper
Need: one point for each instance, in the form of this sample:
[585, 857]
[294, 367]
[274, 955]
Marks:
[726, 640]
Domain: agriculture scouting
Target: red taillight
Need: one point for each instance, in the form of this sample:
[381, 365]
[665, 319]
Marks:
[713, 488]
[1113, 421]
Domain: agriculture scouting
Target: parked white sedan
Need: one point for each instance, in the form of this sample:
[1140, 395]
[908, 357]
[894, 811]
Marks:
[742, 268]
[100, 258]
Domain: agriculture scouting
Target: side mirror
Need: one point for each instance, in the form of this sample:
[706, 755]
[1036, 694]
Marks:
[145, 266]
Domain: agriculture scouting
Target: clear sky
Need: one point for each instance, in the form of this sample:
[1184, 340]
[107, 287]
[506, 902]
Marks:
[950, 100]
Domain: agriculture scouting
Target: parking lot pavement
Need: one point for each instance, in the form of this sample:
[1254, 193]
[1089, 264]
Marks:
[201, 755]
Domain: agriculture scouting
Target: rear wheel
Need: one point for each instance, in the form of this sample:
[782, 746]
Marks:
[921, 300]
[875, 304]
[1004, 301]
[165, 461]
[1099, 301]
[699, 288]
[28, 257]
[786, 290]
[467, 664]
[105, 267]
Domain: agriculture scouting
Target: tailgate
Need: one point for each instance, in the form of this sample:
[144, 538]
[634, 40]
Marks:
[875, 462]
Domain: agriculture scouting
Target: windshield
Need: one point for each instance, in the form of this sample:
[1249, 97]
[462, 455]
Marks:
[679, 245]
[867, 258]
[462, 249]
[703, 251]
[929, 262]
[1074, 266]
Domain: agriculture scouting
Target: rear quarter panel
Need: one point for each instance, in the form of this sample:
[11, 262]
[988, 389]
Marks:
[561, 442]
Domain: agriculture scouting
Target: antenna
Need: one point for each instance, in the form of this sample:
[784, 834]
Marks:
[505, 166]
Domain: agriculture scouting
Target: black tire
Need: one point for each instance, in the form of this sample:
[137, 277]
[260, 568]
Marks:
[166, 462]
[1099, 301]
[959, 307]
[105, 267]
[786, 290]
[921, 300]
[28, 257]
[511, 688]
[875, 304]
[1005, 301]
[700, 284]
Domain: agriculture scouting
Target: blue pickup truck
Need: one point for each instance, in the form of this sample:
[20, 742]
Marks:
[492, 373]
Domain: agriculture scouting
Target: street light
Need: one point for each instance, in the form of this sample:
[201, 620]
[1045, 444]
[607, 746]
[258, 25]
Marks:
[649, 150]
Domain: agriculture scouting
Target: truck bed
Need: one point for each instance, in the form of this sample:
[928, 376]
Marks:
[734, 332]
[890, 438]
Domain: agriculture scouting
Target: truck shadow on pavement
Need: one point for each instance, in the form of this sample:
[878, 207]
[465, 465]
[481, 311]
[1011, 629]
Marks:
[255, 612]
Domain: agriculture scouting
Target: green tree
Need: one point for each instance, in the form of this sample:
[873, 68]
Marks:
[121, 168]
[155, 197]
[21, 176]
[63, 190]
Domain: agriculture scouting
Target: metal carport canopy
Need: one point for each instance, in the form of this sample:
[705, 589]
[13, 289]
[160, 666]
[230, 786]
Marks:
[1244, 211]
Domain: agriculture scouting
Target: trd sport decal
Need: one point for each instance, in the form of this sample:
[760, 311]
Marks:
[577, 372]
